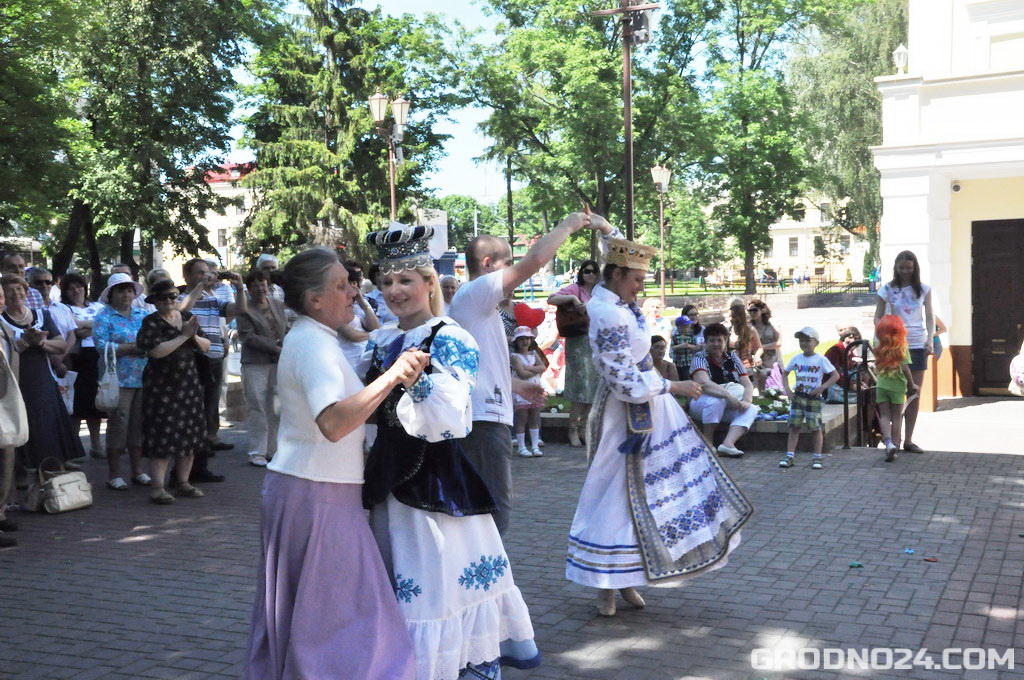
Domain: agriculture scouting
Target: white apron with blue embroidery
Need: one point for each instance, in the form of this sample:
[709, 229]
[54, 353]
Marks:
[451, 574]
[655, 507]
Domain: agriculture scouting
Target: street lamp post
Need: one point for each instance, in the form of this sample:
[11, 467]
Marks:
[661, 176]
[399, 111]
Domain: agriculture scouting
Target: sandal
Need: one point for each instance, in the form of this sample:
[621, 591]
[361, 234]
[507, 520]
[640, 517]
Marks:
[188, 491]
[117, 484]
[142, 480]
[161, 497]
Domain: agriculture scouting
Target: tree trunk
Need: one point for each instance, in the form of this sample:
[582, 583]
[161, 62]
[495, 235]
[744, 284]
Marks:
[147, 254]
[97, 284]
[62, 260]
[508, 208]
[127, 250]
[602, 209]
[748, 263]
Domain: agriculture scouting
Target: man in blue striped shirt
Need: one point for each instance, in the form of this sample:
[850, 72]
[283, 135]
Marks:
[209, 309]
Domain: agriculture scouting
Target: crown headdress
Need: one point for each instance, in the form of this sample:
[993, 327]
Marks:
[402, 247]
[628, 254]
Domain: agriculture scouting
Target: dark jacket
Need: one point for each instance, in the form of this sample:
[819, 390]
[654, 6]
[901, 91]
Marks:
[258, 338]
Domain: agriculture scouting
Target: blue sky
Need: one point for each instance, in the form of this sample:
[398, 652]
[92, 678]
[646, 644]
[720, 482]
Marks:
[457, 172]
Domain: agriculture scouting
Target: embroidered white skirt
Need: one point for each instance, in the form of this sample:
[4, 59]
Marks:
[454, 586]
[604, 551]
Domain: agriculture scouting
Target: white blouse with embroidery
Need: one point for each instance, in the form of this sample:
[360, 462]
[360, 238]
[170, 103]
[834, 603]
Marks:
[620, 343]
[438, 405]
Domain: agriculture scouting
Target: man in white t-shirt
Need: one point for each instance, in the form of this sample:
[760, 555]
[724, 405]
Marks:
[492, 277]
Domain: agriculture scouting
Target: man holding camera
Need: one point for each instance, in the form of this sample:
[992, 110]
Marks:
[198, 298]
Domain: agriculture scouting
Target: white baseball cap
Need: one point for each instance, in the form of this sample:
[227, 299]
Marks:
[809, 332]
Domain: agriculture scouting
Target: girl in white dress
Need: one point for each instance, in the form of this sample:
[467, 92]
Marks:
[430, 509]
[527, 365]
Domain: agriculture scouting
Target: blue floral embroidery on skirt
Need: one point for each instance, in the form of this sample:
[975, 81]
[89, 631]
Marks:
[490, 569]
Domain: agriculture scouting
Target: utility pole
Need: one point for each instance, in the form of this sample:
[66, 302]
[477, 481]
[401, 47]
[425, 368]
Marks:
[635, 31]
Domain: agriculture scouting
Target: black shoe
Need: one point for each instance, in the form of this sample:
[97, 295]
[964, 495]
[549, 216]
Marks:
[7, 541]
[221, 446]
[206, 476]
[8, 525]
[913, 448]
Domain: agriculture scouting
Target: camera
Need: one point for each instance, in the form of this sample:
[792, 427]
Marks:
[223, 275]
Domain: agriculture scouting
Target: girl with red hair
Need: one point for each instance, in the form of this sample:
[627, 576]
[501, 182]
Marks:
[894, 382]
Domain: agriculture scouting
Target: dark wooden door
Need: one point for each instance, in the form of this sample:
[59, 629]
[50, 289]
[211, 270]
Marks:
[997, 296]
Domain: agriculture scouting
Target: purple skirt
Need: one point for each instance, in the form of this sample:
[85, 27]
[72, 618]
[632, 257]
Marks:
[324, 607]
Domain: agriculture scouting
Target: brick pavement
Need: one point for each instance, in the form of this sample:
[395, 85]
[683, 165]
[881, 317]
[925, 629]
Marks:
[165, 592]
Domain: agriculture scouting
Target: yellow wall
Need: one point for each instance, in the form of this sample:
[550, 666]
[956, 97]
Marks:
[980, 199]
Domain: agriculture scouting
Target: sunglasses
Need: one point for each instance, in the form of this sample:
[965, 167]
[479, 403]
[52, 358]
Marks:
[43, 283]
[169, 297]
[587, 271]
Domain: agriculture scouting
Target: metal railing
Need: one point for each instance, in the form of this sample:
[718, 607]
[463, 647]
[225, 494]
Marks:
[839, 287]
[857, 382]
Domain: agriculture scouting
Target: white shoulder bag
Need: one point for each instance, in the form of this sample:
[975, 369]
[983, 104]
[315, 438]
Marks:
[13, 417]
[108, 392]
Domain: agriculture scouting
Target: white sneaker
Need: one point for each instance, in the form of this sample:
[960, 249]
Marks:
[257, 460]
[525, 452]
[537, 453]
[729, 451]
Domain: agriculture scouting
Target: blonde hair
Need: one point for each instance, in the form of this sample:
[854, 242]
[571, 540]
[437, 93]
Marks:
[436, 298]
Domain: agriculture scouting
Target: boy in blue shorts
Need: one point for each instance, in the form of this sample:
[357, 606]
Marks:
[814, 375]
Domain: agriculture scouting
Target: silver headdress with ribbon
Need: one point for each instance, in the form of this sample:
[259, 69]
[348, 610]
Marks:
[402, 247]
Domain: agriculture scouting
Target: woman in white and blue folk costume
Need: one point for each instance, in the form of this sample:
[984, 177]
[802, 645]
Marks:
[430, 508]
[656, 506]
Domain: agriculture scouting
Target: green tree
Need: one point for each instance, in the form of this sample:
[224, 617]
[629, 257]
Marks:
[834, 78]
[158, 91]
[34, 108]
[757, 172]
[321, 170]
[463, 213]
[554, 86]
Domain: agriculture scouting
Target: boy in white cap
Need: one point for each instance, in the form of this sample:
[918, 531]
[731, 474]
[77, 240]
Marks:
[814, 375]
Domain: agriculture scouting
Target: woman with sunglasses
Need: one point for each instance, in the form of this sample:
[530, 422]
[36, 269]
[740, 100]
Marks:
[580, 375]
[173, 419]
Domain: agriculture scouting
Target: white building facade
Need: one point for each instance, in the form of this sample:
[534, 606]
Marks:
[952, 173]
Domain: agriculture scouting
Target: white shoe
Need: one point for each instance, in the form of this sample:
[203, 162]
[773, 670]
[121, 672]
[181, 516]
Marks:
[729, 451]
[525, 452]
[537, 453]
[257, 460]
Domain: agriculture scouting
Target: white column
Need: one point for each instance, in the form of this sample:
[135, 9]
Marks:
[915, 217]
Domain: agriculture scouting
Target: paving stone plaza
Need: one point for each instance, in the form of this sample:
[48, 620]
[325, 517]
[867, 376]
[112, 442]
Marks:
[127, 589]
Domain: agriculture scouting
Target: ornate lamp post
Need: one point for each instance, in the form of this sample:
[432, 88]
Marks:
[661, 176]
[399, 111]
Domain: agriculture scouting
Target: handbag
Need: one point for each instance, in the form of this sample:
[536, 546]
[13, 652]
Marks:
[572, 321]
[108, 391]
[13, 416]
[58, 490]
[735, 389]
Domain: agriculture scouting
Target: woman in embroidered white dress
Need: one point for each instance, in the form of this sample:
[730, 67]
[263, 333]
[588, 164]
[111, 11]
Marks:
[656, 506]
[430, 509]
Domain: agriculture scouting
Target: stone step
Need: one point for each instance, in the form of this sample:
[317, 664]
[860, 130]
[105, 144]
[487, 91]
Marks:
[765, 435]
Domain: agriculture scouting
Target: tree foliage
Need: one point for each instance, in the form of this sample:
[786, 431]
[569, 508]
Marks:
[833, 76]
[322, 170]
[554, 85]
